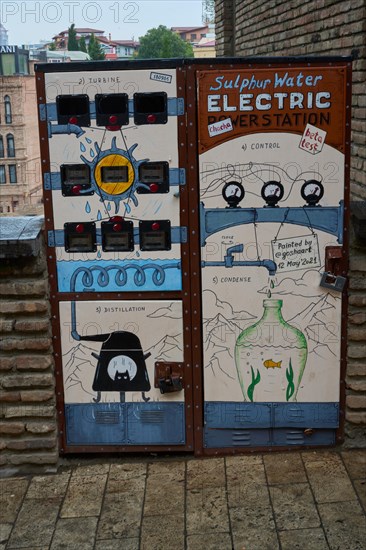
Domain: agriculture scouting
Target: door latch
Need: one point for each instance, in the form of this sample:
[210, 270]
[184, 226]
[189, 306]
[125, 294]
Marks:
[332, 277]
[170, 384]
[169, 377]
[334, 282]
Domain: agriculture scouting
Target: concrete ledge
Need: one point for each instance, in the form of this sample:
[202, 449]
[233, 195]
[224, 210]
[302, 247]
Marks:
[20, 236]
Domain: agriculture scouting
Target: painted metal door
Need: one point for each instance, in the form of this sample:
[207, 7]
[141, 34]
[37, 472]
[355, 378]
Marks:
[272, 145]
[117, 236]
[195, 218]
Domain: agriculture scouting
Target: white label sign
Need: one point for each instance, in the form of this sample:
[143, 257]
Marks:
[296, 253]
[312, 139]
[161, 77]
[220, 127]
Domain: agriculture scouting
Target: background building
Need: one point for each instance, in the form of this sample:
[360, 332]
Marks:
[113, 49]
[3, 35]
[61, 39]
[205, 48]
[126, 49]
[192, 34]
[59, 56]
[20, 169]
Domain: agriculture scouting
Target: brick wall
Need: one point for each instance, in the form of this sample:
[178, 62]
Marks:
[356, 360]
[28, 430]
[322, 27]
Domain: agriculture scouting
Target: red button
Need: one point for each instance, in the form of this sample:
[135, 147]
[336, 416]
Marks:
[117, 227]
[73, 120]
[155, 226]
[114, 128]
[79, 228]
[113, 119]
[116, 219]
[76, 189]
[151, 119]
[154, 187]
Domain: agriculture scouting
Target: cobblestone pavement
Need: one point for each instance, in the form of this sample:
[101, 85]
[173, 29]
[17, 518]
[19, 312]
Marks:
[313, 500]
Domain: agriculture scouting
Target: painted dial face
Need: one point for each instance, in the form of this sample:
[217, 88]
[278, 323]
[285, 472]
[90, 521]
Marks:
[312, 191]
[233, 192]
[272, 192]
[121, 364]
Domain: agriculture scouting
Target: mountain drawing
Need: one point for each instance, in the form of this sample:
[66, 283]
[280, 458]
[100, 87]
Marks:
[220, 335]
[79, 369]
[218, 327]
[317, 321]
[167, 349]
[214, 306]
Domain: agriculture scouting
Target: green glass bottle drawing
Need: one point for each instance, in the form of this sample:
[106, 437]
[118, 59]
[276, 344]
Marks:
[270, 357]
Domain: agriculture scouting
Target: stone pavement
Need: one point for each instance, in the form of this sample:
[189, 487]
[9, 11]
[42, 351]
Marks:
[313, 500]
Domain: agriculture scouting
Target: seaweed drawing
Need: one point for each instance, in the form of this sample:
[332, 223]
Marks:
[255, 381]
[290, 378]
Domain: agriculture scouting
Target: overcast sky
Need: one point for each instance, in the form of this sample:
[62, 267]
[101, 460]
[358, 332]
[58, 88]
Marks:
[29, 21]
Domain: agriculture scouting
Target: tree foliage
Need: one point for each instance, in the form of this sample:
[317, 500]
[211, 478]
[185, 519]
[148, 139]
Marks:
[208, 11]
[52, 47]
[161, 43]
[94, 49]
[82, 45]
[72, 43]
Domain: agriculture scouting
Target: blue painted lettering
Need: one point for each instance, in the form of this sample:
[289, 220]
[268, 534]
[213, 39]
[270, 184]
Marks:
[219, 80]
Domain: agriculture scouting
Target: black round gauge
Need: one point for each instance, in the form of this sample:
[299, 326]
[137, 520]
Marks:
[312, 191]
[272, 192]
[233, 192]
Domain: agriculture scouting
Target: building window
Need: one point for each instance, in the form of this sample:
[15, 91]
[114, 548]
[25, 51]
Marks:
[1, 147]
[8, 117]
[23, 64]
[12, 173]
[10, 145]
[193, 36]
[7, 64]
[2, 174]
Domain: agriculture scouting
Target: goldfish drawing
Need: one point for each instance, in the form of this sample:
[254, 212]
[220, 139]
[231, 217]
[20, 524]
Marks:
[269, 364]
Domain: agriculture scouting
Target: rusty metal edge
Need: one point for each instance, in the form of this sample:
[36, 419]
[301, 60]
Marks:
[51, 263]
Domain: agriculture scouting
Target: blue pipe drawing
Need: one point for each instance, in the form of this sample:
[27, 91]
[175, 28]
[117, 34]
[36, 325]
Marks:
[158, 276]
[230, 262]
[65, 129]
[74, 332]
[325, 218]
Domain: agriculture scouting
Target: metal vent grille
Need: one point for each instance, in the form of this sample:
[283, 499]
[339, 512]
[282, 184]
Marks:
[107, 417]
[241, 438]
[295, 437]
[152, 417]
